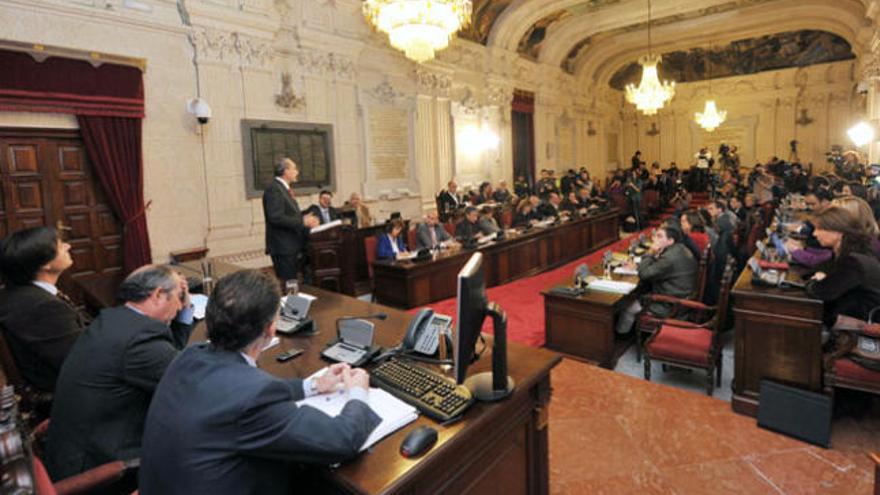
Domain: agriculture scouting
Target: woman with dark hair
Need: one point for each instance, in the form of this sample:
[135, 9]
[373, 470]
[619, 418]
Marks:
[391, 245]
[851, 286]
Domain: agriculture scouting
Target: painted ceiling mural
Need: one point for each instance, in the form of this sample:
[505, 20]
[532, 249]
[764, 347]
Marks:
[748, 56]
[530, 44]
[485, 14]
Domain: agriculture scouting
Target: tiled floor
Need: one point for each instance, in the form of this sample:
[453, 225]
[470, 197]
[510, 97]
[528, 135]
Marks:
[616, 434]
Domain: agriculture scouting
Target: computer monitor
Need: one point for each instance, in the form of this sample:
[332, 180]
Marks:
[472, 309]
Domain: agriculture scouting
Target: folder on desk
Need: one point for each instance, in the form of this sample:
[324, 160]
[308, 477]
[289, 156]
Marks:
[394, 412]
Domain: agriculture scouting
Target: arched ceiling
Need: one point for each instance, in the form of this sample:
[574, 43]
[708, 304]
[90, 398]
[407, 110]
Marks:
[746, 56]
[572, 33]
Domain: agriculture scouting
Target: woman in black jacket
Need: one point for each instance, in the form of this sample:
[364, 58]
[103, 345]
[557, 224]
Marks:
[851, 285]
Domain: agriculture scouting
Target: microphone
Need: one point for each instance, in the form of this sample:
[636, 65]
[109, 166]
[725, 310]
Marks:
[580, 275]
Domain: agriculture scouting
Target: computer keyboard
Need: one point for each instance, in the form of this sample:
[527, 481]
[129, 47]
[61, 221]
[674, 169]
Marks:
[433, 394]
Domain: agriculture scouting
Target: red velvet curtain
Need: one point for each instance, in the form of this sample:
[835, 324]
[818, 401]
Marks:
[114, 146]
[108, 102]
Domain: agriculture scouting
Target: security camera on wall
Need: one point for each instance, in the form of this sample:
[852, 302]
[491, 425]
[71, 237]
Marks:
[200, 109]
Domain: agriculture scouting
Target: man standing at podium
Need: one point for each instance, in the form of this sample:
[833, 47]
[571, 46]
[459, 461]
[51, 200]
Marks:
[287, 229]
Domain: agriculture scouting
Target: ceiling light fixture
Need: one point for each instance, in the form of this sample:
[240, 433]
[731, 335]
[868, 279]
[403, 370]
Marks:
[861, 134]
[651, 95]
[710, 118]
[419, 28]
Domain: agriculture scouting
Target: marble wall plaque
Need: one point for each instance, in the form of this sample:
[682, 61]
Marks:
[389, 143]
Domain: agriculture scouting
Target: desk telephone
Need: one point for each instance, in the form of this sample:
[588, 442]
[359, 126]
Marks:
[423, 333]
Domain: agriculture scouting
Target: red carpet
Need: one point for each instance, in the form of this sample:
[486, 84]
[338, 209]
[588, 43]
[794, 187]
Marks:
[522, 299]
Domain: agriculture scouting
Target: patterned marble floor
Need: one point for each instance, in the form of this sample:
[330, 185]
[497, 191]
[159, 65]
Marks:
[617, 434]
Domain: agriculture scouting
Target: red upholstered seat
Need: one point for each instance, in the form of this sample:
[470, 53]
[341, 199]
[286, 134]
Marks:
[411, 239]
[450, 228]
[688, 345]
[846, 369]
[701, 239]
[370, 248]
[42, 482]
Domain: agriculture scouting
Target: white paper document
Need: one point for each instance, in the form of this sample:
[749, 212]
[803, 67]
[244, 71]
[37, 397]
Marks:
[200, 304]
[326, 226]
[394, 412]
[611, 286]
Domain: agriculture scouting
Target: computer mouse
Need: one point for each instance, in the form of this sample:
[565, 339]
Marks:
[418, 441]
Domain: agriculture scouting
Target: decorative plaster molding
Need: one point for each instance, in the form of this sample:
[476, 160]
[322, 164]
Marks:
[288, 99]
[321, 63]
[385, 93]
[499, 95]
[223, 47]
[433, 83]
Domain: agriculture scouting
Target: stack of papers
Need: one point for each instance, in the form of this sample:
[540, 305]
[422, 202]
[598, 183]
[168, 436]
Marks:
[394, 412]
[326, 226]
[625, 271]
[611, 286]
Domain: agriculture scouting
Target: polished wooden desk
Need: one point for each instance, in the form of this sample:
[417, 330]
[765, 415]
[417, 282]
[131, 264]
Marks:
[407, 284]
[583, 326]
[778, 336]
[497, 448]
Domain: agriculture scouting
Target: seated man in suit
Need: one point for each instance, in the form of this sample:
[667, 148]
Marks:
[488, 224]
[364, 219]
[39, 322]
[219, 424]
[669, 268]
[390, 245]
[106, 383]
[552, 208]
[449, 199]
[430, 234]
[502, 194]
[467, 231]
[323, 210]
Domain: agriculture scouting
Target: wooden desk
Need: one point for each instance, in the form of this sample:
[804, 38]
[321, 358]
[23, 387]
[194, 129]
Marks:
[778, 335]
[583, 326]
[407, 284]
[497, 448]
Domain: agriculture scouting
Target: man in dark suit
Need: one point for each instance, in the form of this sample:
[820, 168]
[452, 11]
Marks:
[324, 211]
[468, 229]
[106, 383]
[39, 322]
[669, 268]
[552, 208]
[431, 234]
[219, 424]
[287, 229]
[449, 199]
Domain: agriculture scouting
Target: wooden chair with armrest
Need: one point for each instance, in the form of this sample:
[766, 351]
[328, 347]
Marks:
[35, 403]
[841, 366]
[689, 344]
[647, 324]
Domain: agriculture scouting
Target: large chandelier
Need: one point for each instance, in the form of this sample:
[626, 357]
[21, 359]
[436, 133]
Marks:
[418, 27]
[711, 118]
[651, 94]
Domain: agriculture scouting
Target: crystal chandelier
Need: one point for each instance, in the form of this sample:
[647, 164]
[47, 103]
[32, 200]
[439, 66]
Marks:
[711, 118]
[418, 27]
[651, 94]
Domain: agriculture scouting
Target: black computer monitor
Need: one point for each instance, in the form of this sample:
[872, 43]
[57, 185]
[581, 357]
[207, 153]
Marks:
[472, 309]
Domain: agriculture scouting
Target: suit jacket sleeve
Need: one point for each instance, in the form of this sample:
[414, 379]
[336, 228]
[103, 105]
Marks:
[442, 235]
[423, 236]
[147, 357]
[844, 277]
[180, 333]
[274, 426]
[273, 204]
[59, 329]
[383, 248]
[652, 268]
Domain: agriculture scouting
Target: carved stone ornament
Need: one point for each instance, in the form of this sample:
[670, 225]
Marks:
[804, 120]
[433, 84]
[216, 46]
[385, 93]
[498, 96]
[653, 131]
[288, 99]
[469, 103]
[324, 63]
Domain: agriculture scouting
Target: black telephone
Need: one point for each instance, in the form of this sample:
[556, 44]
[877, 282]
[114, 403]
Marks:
[423, 333]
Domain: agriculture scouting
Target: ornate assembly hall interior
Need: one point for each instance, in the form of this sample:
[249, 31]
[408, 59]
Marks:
[655, 221]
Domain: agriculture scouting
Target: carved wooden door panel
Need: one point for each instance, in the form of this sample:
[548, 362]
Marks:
[47, 179]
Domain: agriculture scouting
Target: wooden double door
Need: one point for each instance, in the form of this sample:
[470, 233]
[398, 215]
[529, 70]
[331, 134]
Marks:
[47, 179]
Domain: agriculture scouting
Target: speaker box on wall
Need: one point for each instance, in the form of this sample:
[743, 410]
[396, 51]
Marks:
[794, 412]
